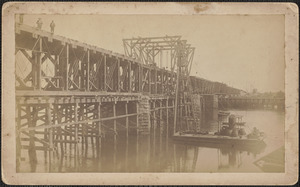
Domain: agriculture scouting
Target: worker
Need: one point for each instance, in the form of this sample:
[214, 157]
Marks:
[52, 26]
[255, 132]
[21, 17]
[39, 23]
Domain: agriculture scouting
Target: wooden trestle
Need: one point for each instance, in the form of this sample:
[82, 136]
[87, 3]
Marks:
[70, 95]
[92, 94]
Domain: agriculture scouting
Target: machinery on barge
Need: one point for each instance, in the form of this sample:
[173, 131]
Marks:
[231, 130]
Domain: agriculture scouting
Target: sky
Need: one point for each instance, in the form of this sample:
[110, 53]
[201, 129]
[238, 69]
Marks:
[243, 51]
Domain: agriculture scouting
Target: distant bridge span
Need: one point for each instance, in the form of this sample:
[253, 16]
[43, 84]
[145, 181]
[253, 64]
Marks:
[252, 102]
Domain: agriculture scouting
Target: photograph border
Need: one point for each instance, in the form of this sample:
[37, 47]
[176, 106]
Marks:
[8, 161]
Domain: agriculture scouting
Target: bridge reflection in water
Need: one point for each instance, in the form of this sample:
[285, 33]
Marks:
[158, 153]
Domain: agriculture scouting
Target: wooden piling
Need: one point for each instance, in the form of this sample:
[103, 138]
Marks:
[32, 123]
[18, 138]
[137, 135]
[160, 116]
[167, 116]
[86, 141]
[76, 134]
[50, 136]
[137, 119]
[98, 138]
[115, 132]
[127, 119]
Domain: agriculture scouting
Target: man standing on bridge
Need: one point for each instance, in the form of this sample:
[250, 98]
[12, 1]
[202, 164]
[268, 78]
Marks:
[21, 18]
[52, 26]
[39, 23]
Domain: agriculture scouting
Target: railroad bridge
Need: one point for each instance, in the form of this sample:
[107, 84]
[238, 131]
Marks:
[70, 94]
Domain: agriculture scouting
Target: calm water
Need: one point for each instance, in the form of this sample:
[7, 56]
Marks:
[157, 153]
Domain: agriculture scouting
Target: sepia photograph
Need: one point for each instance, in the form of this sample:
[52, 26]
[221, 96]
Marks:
[150, 92]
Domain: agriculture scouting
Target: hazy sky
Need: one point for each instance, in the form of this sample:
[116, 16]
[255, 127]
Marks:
[245, 52]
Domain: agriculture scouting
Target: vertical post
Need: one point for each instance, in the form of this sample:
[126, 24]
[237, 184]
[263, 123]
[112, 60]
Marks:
[50, 135]
[162, 82]
[180, 110]
[98, 142]
[59, 129]
[65, 112]
[173, 109]
[155, 81]
[161, 59]
[34, 69]
[129, 78]
[176, 100]
[127, 137]
[67, 68]
[154, 126]
[137, 133]
[86, 129]
[137, 117]
[88, 71]
[115, 132]
[105, 69]
[32, 123]
[118, 75]
[76, 133]
[140, 68]
[127, 119]
[115, 121]
[56, 69]
[38, 63]
[70, 129]
[81, 117]
[95, 115]
[154, 116]
[45, 151]
[149, 80]
[18, 138]
[160, 116]
[167, 115]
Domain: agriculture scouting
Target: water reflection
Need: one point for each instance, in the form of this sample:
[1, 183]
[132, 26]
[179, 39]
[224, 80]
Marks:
[157, 152]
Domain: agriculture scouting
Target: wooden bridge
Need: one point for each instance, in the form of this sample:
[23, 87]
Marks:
[252, 102]
[70, 95]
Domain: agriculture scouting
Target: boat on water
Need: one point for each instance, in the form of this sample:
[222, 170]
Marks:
[231, 132]
[253, 148]
[218, 139]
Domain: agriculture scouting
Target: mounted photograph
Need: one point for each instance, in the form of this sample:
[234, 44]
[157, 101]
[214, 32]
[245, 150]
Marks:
[128, 90]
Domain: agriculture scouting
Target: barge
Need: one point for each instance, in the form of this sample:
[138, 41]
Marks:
[217, 139]
[230, 132]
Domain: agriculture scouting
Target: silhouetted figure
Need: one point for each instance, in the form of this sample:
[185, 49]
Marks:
[21, 18]
[52, 26]
[39, 23]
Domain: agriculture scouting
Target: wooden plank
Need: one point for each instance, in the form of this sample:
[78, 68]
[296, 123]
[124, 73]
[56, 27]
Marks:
[79, 122]
[37, 148]
[30, 93]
